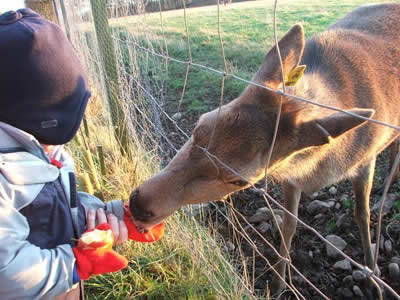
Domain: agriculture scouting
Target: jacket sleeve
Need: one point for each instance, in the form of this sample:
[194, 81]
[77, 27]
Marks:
[91, 202]
[26, 271]
[87, 200]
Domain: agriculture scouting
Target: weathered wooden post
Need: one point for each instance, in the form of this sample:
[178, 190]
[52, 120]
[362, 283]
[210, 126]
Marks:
[109, 62]
[65, 20]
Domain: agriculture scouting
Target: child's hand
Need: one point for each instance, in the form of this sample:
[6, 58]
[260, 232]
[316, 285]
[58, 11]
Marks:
[94, 254]
[118, 228]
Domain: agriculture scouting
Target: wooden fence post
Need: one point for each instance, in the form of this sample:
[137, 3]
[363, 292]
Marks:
[109, 62]
[65, 19]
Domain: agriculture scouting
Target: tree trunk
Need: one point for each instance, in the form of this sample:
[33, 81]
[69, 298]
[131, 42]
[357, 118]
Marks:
[44, 8]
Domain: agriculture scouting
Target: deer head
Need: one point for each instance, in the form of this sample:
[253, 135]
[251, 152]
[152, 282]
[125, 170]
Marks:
[240, 136]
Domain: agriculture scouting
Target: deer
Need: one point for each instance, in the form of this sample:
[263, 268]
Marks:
[354, 65]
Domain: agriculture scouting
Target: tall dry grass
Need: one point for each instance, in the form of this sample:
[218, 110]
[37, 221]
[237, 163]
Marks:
[189, 262]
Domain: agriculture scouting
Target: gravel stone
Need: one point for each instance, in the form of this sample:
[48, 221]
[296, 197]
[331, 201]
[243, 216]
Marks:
[394, 271]
[331, 203]
[264, 214]
[388, 247]
[381, 243]
[387, 206]
[320, 217]
[176, 116]
[344, 197]
[341, 221]
[339, 291]
[264, 227]
[315, 195]
[317, 206]
[338, 242]
[230, 246]
[266, 210]
[248, 228]
[332, 190]
[348, 281]
[257, 218]
[357, 291]
[347, 293]
[343, 265]
[396, 259]
[359, 276]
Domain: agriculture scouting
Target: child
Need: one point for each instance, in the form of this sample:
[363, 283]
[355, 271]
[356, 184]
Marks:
[43, 96]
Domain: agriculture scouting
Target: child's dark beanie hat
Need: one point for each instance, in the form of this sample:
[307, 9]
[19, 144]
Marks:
[42, 83]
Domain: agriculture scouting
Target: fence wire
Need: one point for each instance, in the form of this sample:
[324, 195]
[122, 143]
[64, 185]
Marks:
[130, 61]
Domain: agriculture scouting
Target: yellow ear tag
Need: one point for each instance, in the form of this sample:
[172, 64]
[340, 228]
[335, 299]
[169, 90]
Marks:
[295, 75]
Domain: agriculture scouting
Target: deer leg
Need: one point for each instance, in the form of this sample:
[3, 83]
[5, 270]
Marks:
[362, 185]
[292, 198]
[394, 149]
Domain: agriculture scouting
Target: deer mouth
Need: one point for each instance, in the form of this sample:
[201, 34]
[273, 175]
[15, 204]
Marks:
[140, 227]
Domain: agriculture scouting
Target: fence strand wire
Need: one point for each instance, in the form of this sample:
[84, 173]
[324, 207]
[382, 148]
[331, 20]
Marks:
[81, 37]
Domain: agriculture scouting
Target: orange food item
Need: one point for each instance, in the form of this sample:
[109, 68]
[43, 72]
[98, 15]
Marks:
[94, 254]
[151, 236]
[98, 238]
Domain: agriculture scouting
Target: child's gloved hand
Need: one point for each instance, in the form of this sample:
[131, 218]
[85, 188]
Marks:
[133, 234]
[94, 254]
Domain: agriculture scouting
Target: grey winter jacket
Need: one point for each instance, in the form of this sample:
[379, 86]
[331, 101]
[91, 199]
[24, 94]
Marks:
[41, 215]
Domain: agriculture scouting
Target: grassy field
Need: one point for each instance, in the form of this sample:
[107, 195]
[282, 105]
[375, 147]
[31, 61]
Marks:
[247, 34]
[189, 262]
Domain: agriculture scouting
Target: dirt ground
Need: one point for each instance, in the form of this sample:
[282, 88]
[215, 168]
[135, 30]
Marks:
[308, 251]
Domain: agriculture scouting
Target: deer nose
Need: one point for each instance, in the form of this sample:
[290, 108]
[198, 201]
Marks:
[138, 212]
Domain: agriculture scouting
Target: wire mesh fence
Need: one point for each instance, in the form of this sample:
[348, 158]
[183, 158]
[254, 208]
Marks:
[152, 61]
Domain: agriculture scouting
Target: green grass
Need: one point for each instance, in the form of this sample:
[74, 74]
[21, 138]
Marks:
[247, 34]
[396, 206]
[330, 225]
[169, 270]
[396, 214]
[347, 203]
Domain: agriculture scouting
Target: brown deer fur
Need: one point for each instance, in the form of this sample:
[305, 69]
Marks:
[353, 65]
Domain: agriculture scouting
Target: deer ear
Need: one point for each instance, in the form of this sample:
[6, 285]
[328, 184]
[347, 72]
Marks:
[318, 132]
[291, 47]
